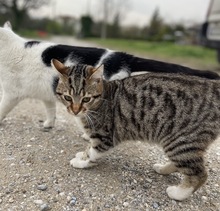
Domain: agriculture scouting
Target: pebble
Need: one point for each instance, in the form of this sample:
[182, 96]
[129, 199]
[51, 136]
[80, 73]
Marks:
[73, 201]
[44, 207]
[39, 202]
[155, 205]
[62, 194]
[204, 198]
[125, 204]
[11, 200]
[42, 187]
[0, 201]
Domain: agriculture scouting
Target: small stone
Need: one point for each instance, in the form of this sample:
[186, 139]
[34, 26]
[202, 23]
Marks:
[112, 195]
[125, 204]
[174, 202]
[149, 180]
[155, 205]
[0, 201]
[39, 202]
[44, 207]
[62, 194]
[204, 198]
[73, 201]
[69, 198]
[42, 187]
[11, 200]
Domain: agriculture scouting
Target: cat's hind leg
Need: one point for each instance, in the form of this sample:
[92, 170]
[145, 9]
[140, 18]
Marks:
[165, 169]
[6, 105]
[95, 151]
[195, 176]
[51, 114]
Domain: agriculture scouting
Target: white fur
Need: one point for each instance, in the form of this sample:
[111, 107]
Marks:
[81, 164]
[120, 75]
[85, 136]
[23, 74]
[167, 168]
[86, 159]
[139, 73]
[157, 167]
[179, 193]
[105, 55]
[94, 155]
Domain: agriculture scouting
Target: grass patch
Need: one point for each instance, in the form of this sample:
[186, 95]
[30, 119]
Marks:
[195, 56]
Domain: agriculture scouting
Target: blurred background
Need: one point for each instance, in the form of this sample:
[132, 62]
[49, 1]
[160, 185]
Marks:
[168, 30]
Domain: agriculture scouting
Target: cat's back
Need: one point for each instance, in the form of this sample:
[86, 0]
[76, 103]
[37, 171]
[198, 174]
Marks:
[154, 106]
[160, 82]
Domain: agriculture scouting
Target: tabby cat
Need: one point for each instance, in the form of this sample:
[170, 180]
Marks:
[179, 113]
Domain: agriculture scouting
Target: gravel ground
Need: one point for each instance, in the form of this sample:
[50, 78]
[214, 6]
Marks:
[35, 173]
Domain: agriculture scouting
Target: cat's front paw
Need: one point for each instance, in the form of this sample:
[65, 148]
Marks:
[48, 124]
[81, 164]
[81, 155]
[179, 193]
[157, 167]
[85, 137]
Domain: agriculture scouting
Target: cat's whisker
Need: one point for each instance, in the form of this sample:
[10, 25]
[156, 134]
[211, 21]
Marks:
[92, 115]
[91, 122]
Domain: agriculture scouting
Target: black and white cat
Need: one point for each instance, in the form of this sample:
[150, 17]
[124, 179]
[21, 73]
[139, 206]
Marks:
[26, 72]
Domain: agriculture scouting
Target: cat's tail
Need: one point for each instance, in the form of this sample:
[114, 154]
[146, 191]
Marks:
[140, 64]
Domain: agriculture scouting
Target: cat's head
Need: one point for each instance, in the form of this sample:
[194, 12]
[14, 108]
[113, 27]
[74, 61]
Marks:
[80, 86]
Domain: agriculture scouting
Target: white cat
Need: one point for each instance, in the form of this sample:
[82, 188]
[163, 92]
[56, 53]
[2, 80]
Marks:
[26, 72]
[24, 75]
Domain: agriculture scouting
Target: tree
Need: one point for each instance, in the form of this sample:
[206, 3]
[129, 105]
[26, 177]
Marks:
[18, 9]
[86, 26]
[156, 24]
[114, 30]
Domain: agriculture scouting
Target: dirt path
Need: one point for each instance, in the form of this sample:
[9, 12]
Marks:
[35, 173]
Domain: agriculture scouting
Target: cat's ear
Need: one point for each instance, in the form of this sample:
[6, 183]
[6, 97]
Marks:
[7, 25]
[59, 66]
[98, 72]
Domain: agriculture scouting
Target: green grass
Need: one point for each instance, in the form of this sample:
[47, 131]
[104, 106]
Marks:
[195, 56]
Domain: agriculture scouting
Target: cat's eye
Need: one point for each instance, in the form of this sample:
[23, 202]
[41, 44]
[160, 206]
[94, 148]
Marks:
[86, 99]
[67, 98]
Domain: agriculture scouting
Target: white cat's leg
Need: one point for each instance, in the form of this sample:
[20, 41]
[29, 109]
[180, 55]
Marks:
[6, 105]
[165, 169]
[91, 155]
[51, 114]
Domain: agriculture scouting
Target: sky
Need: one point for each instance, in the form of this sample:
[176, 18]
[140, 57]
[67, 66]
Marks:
[134, 12]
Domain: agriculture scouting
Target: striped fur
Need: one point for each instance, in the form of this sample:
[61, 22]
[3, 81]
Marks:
[179, 113]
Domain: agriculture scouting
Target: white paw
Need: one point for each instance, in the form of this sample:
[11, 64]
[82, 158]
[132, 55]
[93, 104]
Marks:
[85, 136]
[81, 164]
[49, 124]
[80, 155]
[157, 167]
[179, 193]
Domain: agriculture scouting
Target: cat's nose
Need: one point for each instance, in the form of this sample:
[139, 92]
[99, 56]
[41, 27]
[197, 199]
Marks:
[76, 109]
[75, 112]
